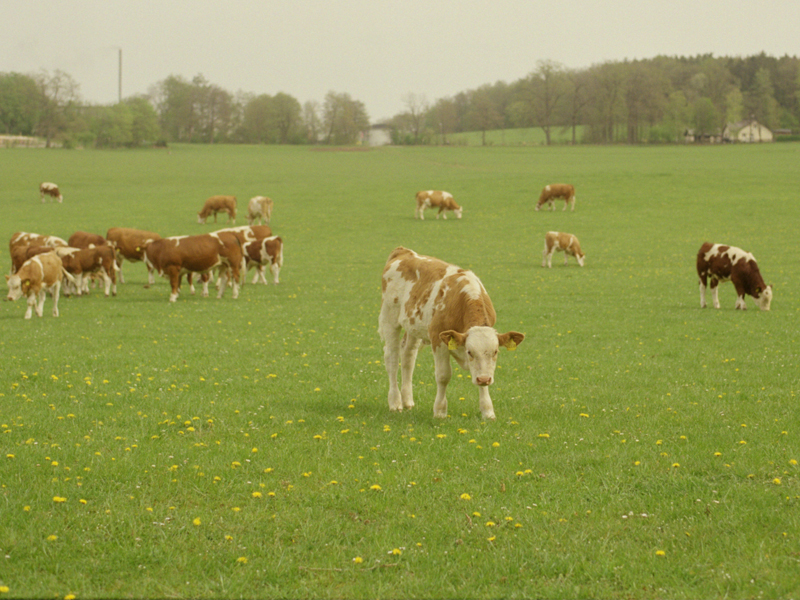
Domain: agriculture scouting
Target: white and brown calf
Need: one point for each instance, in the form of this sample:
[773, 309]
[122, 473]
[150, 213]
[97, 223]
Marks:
[437, 303]
[38, 275]
[555, 241]
[263, 253]
[48, 188]
[557, 190]
[721, 263]
[436, 199]
[215, 204]
[259, 207]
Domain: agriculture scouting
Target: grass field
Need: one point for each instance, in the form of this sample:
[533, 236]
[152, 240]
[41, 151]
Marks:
[643, 447]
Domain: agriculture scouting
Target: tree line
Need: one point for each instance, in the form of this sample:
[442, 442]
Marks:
[652, 100]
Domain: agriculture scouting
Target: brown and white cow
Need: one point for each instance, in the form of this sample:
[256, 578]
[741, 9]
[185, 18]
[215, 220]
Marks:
[436, 199]
[438, 303]
[20, 254]
[38, 275]
[215, 204]
[172, 257]
[722, 263]
[556, 241]
[84, 239]
[259, 207]
[81, 263]
[557, 190]
[48, 188]
[23, 239]
[263, 253]
[129, 244]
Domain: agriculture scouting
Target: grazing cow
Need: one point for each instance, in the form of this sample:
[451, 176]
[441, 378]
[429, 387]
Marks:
[436, 199]
[263, 253]
[130, 244]
[557, 190]
[174, 256]
[50, 189]
[215, 204]
[20, 254]
[448, 307]
[40, 274]
[83, 262]
[722, 263]
[561, 242]
[23, 239]
[259, 207]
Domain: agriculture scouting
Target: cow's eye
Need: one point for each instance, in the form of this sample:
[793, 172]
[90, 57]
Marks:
[469, 353]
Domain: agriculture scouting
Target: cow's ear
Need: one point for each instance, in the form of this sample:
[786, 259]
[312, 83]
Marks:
[453, 339]
[511, 340]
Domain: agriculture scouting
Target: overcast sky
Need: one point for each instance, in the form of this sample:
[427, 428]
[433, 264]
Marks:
[378, 51]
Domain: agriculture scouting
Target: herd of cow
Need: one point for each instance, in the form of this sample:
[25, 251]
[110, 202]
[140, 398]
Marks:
[40, 263]
[427, 301]
[424, 300]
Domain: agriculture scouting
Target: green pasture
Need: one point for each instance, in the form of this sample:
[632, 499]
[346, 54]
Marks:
[643, 447]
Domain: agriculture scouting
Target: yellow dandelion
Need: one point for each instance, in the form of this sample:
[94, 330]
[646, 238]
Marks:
[69, 597]
[242, 560]
[675, 465]
[496, 445]
[660, 553]
[196, 522]
[256, 494]
[490, 523]
[466, 497]
[396, 552]
[777, 481]
[59, 499]
[793, 462]
[4, 589]
[476, 514]
[52, 538]
[491, 539]
[358, 560]
[375, 488]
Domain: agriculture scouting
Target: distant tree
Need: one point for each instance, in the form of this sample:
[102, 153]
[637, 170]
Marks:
[20, 103]
[607, 85]
[577, 99]
[59, 104]
[343, 118]
[484, 114]
[144, 120]
[287, 112]
[538, 97]
[706, 118]
[443, 118]
[175, 105]
[312, 123]
[111, 126]
[417, 107]
[760, 101]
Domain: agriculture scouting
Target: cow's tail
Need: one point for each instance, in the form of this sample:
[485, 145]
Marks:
[68, 276]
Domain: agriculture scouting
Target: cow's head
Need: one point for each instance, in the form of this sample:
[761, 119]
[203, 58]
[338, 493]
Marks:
[480, 345]
[579, 256]
[15, 287]
[458, 212]
[763, 297]
[200, 218]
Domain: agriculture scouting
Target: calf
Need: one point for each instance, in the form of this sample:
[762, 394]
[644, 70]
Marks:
[722, 263]
[557, 190]
[561, 242]
[83, 262]
[436, 199]
[174, 256]
[215, 204]
[50, 189]
[130, 244]
[259, 207]
[267, 252]
[40, 274]
[447, 307]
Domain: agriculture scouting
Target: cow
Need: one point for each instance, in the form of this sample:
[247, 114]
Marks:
[436, 199]
[38, 275]
[23, 239]
[48, 188]
[173, 256]
[20, 254]
[215, 204]
[438, 303]
[263, 253]
[259, 207]
[561, 242]
[81, 263]
[84, 239]
[722, 263]
[129, 244]
[557, 190]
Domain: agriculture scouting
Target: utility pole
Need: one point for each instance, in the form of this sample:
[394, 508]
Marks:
[120, 75]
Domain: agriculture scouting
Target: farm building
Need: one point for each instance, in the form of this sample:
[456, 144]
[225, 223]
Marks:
[379, 135]
[746, 131]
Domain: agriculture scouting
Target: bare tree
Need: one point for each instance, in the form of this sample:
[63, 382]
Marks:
[418, 107]
[59, 93]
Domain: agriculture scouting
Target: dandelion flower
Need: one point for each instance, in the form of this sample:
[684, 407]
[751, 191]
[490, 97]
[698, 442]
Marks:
[490, 523]
[358, 560]
[197, 522]
[777, 481]
[59, 499]
[375, 488]
[466, 497]
[256, 494]
[4, 589]
[52, 538]
[242, 560]
[396, 552]
[660, 553]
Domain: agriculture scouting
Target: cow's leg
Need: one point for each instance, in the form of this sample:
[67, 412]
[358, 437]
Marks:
[174, 274]
[703, 283]
[566, 256]
[441, 359]
[408, 359]
[275, 269]
[715, 292]
[485, 402]
[56, 290]
[740, 293]
[40, 302]
[31, 304]
[205, 277]
[391, 359]
[107, 284]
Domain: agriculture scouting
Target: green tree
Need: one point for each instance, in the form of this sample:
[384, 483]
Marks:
[706, 118]
[60, 103]
[20, 103]
[343, 118]
[144, 121]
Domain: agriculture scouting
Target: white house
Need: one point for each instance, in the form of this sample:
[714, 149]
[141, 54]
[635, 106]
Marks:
[379, 135]
[747, 131]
